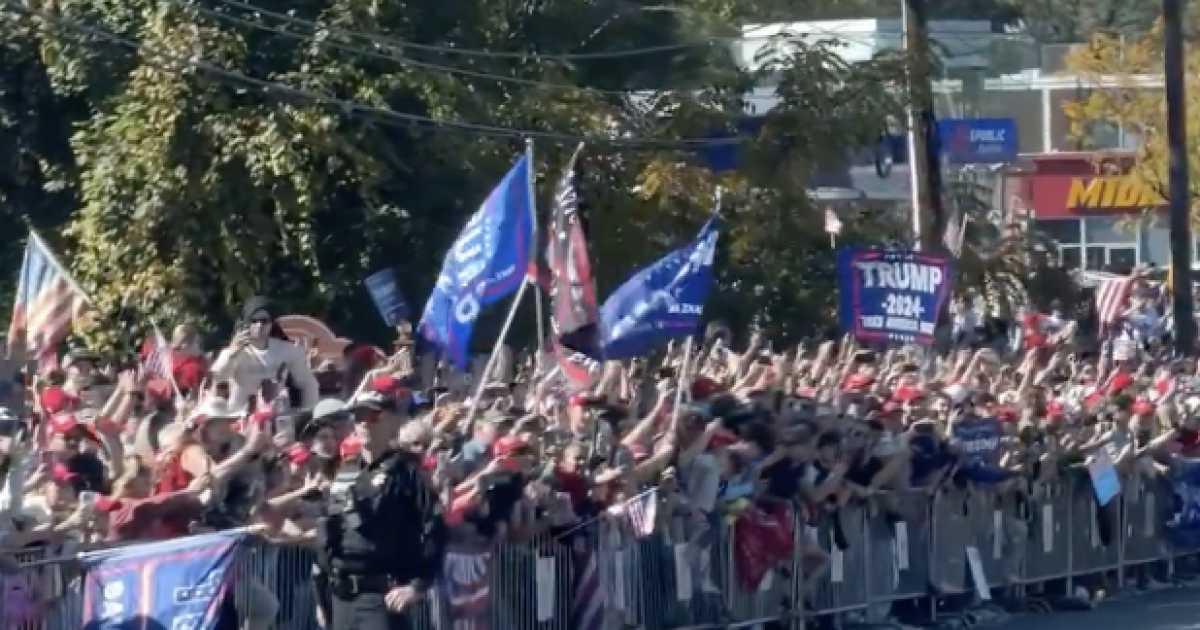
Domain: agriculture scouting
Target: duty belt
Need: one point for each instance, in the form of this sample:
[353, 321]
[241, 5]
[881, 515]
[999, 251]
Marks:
[345, 584]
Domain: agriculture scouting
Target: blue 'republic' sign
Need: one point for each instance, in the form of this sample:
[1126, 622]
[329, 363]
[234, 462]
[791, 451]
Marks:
[979, 140]
[892, 295]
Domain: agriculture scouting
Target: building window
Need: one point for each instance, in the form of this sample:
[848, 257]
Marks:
[1109, 230]
[1070, 257]
[1064, 231]
[1106, 136]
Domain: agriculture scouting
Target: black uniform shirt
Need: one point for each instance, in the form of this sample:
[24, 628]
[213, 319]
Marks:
[403, 519]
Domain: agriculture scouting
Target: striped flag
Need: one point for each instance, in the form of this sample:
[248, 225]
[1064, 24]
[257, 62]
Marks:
[574, 315]
[587, 609]
[48, 300]
[1112, 297]
[641, 511]
[955, 235]
[156, 356]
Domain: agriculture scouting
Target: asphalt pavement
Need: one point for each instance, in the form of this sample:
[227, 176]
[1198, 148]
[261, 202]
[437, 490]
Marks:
[1165, 609]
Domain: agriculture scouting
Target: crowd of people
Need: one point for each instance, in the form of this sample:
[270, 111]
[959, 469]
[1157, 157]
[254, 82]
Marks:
[255, 435]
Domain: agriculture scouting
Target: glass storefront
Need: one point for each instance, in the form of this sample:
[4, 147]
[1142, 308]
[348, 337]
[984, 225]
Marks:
[1115, 244]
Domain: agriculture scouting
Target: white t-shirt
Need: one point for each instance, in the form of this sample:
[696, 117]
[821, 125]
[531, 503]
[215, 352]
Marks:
[246, 369]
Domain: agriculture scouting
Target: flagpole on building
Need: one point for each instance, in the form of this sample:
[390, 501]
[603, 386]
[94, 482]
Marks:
[469, 421]
[533, 261]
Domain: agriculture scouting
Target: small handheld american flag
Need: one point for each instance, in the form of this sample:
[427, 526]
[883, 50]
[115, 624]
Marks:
[156, 358]
[641, 511]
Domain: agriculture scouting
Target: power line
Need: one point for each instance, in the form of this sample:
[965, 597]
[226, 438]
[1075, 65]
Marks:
[375, 54]
[351, 107]
[468, 52]
[381, 40]
[390, 57]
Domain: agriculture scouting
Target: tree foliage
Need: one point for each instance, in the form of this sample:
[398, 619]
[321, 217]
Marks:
[1006, 263]
[1130, 62]
[177, 188]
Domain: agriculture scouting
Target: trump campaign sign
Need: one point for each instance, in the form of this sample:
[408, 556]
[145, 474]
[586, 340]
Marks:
[889, 295]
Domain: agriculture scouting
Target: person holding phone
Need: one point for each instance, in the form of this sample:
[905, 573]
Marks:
[258, 352]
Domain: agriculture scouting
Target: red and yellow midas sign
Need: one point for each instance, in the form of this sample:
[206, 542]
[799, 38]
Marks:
[1111, 192]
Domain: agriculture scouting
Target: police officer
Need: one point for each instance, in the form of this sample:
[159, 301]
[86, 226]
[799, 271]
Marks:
[383, 539]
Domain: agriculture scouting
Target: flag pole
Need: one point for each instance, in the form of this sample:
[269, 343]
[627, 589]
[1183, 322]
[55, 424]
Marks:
[533, 261]
[469, 421]
[58, 266]
[683, 379]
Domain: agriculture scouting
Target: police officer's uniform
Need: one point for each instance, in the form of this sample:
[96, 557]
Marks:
[384, 530]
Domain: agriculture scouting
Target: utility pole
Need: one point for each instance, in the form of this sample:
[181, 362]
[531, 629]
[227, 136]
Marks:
[924, 161]
[1181, 231]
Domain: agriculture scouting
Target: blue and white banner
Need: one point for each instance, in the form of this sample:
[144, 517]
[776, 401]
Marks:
[385, 293]
[979, 140]
[485, 264]
[1184, 524]
[661, 302]
[892, 295]
[176, 584]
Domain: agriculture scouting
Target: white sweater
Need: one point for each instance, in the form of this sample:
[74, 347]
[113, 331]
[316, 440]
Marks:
[246, 369]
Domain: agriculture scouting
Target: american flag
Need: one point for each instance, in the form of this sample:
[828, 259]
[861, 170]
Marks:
[833, 225]
[156, 355]
[48, 300]
[641, 511]
[956, 232]
[574, 315]
[1112, 297]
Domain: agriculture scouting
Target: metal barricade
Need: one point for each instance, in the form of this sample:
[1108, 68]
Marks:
[685, 576]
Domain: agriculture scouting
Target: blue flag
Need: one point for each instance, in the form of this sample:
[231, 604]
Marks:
[1183, 527]
[661, 302]
[892, 295]
[485, 264]
[171, 584]
[386, 294]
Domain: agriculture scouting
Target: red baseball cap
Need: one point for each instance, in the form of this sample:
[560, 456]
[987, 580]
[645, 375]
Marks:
[1119, 382]
[704, 387]
[858, 381]
[56, 400]
[908, 393]
[383, 393]
[350, 447]
[507, 445]
[63, 423]
[298, 454]
[60, 473]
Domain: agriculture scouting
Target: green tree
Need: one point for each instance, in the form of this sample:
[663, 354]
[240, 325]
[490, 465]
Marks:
[200, 153]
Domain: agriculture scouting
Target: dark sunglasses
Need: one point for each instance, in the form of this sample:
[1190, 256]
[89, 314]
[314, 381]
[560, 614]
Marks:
[260, 320]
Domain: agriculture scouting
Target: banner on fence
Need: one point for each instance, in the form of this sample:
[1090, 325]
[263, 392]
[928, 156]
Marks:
[760, 539]
[893, 295]
[1106, 484]
[177, 584]
[465, 587]
[1185, 523]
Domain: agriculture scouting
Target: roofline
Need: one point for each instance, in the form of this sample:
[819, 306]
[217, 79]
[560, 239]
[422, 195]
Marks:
[1018, 83]
[1065, 156]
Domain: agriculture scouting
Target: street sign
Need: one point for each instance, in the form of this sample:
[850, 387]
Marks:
[979, 140]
